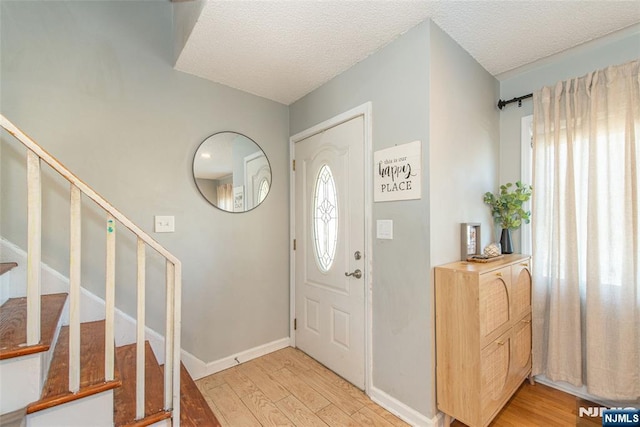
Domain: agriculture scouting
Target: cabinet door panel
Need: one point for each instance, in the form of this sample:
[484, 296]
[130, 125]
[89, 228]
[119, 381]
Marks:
[521, 350]
[520, 290]
[495, 362]
[494, 304]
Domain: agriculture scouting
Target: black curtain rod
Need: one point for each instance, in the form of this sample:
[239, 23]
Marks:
[501, 103]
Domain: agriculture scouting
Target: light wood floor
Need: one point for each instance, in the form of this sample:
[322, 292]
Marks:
[288, 388]
[541, 406]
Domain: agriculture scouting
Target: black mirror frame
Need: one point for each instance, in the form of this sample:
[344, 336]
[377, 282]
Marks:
[193, 175]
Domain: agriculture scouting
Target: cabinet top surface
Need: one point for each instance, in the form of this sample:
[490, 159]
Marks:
[481, 267]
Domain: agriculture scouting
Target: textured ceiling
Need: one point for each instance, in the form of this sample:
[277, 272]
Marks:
[282, 50]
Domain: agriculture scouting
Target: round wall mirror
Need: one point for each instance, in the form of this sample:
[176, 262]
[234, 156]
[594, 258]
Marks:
[232, 172]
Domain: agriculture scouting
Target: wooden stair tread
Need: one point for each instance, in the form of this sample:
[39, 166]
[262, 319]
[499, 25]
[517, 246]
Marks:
[7, 266]
[125, 396]
[92, 380]
[13, 325]
[194, 409]
[148, 420]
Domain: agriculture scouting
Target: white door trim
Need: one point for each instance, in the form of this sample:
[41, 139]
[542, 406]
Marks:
[364, 110]
[526, 176]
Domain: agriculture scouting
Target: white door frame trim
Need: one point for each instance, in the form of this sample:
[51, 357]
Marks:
[364, 110]
[526, 175]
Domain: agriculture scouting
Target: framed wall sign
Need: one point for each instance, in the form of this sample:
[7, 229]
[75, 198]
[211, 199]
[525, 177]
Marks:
[470, 242]
[238, 198]
[398, 173]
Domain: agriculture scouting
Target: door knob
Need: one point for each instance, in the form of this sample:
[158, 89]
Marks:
[357, 274]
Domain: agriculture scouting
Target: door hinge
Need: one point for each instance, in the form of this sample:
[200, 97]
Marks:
[294, 244]
[295, 324]
[294, 165]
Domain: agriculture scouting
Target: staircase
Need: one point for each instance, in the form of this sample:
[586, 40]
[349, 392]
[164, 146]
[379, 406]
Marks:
[56, 370]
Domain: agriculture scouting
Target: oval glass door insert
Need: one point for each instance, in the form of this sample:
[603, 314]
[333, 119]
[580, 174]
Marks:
[263, 190]
[325, 218]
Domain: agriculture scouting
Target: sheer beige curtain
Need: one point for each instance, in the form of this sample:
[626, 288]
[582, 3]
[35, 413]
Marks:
[586, 232]
[225, 197]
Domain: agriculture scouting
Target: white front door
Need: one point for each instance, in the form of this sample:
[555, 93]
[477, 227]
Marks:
[329, 232]
[257, 179]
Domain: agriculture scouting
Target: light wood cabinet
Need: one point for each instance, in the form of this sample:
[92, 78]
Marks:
[483, 336]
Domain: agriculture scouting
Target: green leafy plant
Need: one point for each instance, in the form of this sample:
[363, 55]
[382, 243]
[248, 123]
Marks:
[506, 206]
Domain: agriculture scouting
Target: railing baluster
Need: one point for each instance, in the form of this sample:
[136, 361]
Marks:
[34, 248]
[140, 320]
[168, 337]
[36, 155]
[109, 299]
[177, 320]
[74, 288]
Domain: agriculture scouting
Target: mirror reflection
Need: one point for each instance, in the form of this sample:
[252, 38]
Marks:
[232, 172]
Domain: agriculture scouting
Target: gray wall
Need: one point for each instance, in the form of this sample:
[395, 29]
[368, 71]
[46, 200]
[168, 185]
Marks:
[422, 86]
[396, 80]
[185, 17]
[464, 148]
[93, 83]
[208, 188]
[611, 50]
[241, 148]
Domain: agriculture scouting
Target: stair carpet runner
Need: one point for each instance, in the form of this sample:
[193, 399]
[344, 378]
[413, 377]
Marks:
[194, 409]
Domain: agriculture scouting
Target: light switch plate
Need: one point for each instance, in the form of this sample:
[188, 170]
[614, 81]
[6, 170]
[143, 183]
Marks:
[384, 229]
[165, 224]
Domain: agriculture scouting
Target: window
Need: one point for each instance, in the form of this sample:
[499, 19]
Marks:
[585, 211]
[325, 218]
[526, 176]
[263, 190]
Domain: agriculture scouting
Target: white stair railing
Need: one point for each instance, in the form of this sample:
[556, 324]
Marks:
[36, 154]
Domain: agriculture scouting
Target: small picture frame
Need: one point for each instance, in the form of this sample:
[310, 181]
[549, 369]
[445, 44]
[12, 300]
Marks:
[470, 240]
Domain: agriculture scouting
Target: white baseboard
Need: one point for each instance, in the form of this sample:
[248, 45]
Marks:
[403, 411]
[199, 369]
[51, 281]
[92, 308]
[580, 392]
